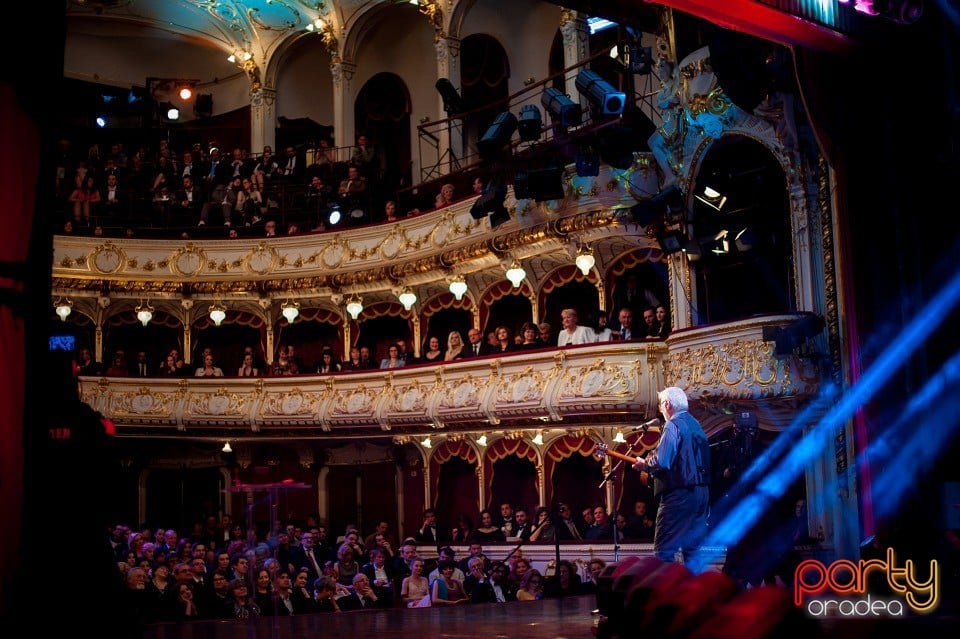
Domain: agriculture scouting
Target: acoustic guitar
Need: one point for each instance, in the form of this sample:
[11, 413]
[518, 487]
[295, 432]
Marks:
[602, 450]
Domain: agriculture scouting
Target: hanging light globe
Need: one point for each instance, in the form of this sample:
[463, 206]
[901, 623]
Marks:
[516, 274]
[458, 286]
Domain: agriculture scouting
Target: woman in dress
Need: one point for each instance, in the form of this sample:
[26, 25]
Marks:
[530, 586]
[487, 531]
[543, 531]
[432, 352]
[354, 363]
[328, 363]
[184, 607]
[505, 343]
[346, 567]
[414, 589]
[208, 369]
[447, 589]
[531, 337]
[247, 369]
[393, 358]
[454, 347]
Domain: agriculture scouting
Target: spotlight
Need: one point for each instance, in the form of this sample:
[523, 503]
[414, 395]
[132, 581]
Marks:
[171, 112]
[712, 198]
[745, 240]
[491, 202]
[561, 108]
[498, 135]
[185, 93]
[539, 184]
[452, 102]
[531, 123]
[588, 163]
[671, 241]
[638, 59]
[101, 121]
[601, 93]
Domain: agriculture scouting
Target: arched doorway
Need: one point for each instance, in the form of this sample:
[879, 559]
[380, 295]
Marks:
[484, 78]
[740, 217]
[382, 113]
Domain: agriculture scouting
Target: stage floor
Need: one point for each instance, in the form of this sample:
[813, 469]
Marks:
[569, 617]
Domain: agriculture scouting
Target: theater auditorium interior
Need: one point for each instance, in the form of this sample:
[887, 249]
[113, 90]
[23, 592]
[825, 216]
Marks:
[357, 273]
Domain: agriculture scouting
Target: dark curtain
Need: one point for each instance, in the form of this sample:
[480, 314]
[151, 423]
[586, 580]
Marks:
[457, 492]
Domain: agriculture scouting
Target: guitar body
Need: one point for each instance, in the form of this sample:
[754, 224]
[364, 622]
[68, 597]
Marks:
[603, 450]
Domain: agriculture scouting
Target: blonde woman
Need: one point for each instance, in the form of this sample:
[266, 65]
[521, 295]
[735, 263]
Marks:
[530, 586]
[454, 347]
[414, 589]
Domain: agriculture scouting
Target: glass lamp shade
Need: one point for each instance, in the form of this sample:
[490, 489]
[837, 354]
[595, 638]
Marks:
[144, 313]
[516, 274]
[290, 310]
[408, 298]
[64, 308]
[458, 287]
[218, 313]
[585, 261]
[355, 307]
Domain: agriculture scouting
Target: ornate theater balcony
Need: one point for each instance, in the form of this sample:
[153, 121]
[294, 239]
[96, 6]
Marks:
[724, 369]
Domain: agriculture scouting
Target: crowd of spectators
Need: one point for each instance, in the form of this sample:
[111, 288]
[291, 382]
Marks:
[162, 191]
[219, 569]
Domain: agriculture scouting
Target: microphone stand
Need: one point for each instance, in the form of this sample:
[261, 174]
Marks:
[610, 477]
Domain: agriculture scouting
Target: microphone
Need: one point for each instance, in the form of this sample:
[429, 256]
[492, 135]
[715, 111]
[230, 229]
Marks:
[645, 425]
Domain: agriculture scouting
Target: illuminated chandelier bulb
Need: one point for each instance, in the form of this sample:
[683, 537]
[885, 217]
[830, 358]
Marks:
[458, 286]
[408, 298]
[64, 308]
[516, 273]
[290, 310]
[144, 313]
[355, 306]
[218, 313]
[585, 260]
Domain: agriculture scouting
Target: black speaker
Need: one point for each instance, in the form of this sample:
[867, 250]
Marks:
[203, 105]
[539, 184]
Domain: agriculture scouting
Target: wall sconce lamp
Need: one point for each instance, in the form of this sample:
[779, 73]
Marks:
[226, 448]
[458, 286]
[144, 312]
[426, 443]
[290, 310]
[516, 274]
[218, 313]
[482, 439]
[538, 438]
[619, 438]
[355, 306]
[63, 307]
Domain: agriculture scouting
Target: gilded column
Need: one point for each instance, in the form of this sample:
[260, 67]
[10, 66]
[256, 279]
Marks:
[343, 96]
[263, 119]
[450, 147]
[98, 344]
[576, 38]
[270, 337]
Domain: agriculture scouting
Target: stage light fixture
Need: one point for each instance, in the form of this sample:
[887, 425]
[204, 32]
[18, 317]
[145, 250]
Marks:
[539, 184]
[490, 203]
[671, 241]
[497, 137]
[334, 216]
[606, 99]
[561, 108]
[587, 162]
[185, 93]
[530, 125]
[452, 102]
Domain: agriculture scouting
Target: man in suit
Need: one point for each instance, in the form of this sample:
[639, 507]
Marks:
[476, 345]
[307, 557]
[567, 526]
[626, 330]
[429, 532]
[141, 368]
[363, 595]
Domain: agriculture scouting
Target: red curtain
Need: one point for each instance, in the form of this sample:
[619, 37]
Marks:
[19, 170]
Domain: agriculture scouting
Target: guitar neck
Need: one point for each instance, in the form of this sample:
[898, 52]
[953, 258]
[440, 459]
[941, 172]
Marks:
[621, 456]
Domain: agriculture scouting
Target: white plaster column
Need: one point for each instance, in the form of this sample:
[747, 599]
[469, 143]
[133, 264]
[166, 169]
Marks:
[451, 139]
[343, 97]
[576, 47]
[263, 120]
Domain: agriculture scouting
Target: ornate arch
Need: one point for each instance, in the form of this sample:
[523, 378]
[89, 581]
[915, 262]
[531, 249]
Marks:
[508, 447]
[497, 291]
[446, 451]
